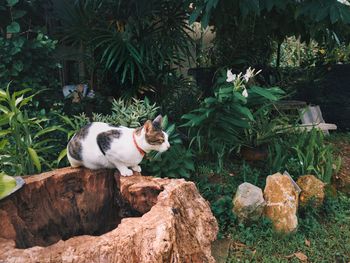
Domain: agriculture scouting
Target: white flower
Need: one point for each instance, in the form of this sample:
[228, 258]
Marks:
[245, 93]
[250, 73]
[230, 77]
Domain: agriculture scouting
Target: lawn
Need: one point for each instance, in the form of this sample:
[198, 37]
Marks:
[321, 237]
[323, 234]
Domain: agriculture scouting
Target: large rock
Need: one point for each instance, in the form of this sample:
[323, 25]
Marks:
[281, 202]
[137, 219]
[248, 203]
[312, 189]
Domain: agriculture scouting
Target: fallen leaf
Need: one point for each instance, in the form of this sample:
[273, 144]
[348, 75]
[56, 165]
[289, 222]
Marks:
[307, 243]
[289, 256]
[301, 256]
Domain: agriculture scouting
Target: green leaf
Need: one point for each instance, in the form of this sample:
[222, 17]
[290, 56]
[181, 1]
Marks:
[13, 28]
[18, 66]
[62, 154]
[35, 158]
[48, 130]
[7, 184]
[4, 132]
[18, 14]
[18, 100]
[4, 109]
[263, 92]
[2, 94]
[12, 2]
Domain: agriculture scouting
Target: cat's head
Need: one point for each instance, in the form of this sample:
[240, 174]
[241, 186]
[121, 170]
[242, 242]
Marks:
[156, 139]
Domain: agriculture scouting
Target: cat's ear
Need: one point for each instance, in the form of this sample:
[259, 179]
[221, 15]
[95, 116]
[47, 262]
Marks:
[148, 126]
[157, 122]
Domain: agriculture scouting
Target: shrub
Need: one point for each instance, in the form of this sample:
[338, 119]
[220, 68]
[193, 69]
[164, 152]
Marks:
[218, 125]
[176, 162]
[304, 153]
[26, 53]
[24, 142]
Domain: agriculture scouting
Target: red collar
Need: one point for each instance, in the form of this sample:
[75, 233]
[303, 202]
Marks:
[142, 152]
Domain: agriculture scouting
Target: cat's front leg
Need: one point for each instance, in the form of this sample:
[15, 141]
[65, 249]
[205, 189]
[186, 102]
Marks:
[123, 169]
[136, 168]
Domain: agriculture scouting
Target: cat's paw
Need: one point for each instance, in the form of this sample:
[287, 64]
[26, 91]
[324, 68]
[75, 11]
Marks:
[126, 172]
[136, 168]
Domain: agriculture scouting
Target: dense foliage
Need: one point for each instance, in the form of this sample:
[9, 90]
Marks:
[136, 41]
[133, 51]
[25, 142]
[232, 117]
[245, 30]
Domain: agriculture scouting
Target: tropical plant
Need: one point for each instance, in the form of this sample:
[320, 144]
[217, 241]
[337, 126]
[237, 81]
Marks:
[137, 41]
[25, 145]
[245, 30]
[177, 162]
[304, 152]
[216, 127]
[267, 124]
[26, 53]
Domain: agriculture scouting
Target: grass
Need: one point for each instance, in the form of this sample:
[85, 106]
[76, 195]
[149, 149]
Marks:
[322, 236]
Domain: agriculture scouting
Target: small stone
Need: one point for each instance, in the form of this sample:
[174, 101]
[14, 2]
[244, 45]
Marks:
[248, 203]
[281, 202]
[311, 189]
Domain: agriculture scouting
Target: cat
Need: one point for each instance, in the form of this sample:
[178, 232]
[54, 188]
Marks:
[100, 145]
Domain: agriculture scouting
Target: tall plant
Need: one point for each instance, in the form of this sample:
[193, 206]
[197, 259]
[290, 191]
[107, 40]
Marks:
[135, 40]
[216, 127]
[26, 53]
[304, 152]
[24, 142]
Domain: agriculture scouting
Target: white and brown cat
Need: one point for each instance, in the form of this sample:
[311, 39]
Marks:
[100, 145]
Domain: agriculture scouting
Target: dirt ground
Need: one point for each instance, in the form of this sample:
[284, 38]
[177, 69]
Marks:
[342, 179]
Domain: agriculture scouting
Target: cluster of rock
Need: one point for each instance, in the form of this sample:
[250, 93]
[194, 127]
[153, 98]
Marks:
[279, 201]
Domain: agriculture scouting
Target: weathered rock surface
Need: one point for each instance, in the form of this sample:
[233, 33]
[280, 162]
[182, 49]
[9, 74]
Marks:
[175, 223]
[281, 202]
[311, 189]
[248, 203]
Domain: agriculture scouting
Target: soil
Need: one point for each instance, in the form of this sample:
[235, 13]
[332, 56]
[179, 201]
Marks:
[342, 179]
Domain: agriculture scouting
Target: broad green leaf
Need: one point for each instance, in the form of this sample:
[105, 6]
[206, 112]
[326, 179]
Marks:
[263, 92]
[12, 2]
[18, 14]
[7, 184]
[13, 28]
[35, 158]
